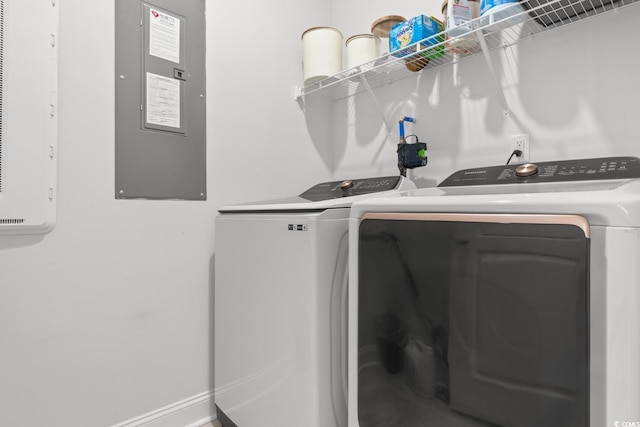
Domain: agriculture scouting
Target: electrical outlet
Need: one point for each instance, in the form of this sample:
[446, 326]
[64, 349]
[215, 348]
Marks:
[520, 142]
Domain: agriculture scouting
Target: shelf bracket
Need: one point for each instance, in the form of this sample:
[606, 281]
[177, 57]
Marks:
[485, 52]
[299, 97]
[366, 85]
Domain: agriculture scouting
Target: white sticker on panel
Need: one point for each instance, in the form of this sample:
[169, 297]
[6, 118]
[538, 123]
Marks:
[163, 101]
[164, 36]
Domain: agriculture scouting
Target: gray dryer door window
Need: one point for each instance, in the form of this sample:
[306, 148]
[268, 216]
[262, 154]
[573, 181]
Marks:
[473, 322]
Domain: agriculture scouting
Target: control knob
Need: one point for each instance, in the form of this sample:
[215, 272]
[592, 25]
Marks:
[527, 169]
[344, 185]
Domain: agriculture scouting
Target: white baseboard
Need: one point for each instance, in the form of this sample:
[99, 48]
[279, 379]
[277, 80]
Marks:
[179, 414]
[212, 423]
[208, 422]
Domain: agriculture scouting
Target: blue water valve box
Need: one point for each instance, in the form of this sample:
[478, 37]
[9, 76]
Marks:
[421, 28]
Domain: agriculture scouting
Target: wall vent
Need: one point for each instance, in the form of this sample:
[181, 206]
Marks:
[28, 129]
[15, 221]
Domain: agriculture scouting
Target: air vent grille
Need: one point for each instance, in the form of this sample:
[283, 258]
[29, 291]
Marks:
[8, 221]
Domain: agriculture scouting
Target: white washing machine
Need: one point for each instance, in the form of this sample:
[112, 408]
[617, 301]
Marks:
[280, 306]
[507, 296]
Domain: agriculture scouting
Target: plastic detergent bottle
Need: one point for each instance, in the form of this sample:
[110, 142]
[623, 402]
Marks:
[495, 11]
[458, 16]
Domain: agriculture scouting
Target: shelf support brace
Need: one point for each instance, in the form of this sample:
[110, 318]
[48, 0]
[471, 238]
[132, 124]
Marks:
[487, 58]
[299, 97]
[366, 85]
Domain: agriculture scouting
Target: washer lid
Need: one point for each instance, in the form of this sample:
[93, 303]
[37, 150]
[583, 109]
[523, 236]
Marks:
[605, 191]
[327, 195]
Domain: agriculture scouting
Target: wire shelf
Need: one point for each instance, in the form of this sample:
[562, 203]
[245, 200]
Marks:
[503, 28]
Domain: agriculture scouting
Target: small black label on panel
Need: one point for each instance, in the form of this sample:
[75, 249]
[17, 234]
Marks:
[297, 227]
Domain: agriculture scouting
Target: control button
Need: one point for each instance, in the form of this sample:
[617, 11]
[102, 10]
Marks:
[527, 169]
[346, 184]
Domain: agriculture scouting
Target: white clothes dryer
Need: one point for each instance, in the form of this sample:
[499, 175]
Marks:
[280, 306]
[506, 296]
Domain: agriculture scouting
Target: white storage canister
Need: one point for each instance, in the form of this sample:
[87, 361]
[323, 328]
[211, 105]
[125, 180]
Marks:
[381, 28]
[361, 49]
[322, 53]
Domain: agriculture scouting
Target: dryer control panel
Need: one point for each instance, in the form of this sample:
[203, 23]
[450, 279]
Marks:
[562, 171]
[346, 188]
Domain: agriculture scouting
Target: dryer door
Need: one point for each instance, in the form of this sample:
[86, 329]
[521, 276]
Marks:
[473, 321]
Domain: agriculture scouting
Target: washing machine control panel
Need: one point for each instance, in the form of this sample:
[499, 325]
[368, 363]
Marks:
[350, 187]
[561, 171]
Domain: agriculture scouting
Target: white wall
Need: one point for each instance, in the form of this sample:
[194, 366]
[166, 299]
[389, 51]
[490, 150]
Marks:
[257, 132]
[572, 89]
[108, 317]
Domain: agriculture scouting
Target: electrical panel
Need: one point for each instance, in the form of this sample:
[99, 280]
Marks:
[160, 147]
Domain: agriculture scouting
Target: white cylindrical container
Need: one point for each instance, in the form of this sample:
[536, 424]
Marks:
[361, 49]
[381, 28]
[322, 53]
